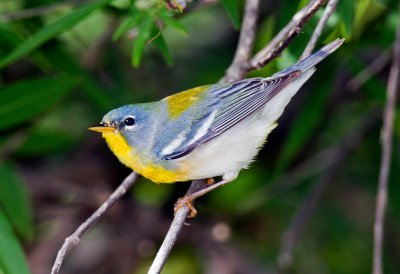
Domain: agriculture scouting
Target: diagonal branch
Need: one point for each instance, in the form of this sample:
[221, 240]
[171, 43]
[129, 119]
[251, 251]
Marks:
[245, 45]
[75, 238]
[330, 8]
[303, 214]
[174, 230]
[37, 11]
[386, 141]
[370, 70]
[285, 36]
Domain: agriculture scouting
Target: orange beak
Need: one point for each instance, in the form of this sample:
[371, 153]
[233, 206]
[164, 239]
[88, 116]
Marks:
[102, 128]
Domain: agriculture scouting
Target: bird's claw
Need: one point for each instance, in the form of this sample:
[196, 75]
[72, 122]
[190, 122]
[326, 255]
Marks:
[187, 200]
[210, 181]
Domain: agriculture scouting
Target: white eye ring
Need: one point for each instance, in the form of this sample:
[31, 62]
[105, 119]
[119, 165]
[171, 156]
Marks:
[129, 122]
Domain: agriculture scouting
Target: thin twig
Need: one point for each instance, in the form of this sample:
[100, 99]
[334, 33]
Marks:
[74, 238]
[37, 11]
[173, 232]
[292, 234]
[285, 36]
[330, 8]
[338, 154]
[386, 142]
[372, 69]
[237, 69]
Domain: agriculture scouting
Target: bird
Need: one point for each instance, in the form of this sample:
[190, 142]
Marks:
[205, 132]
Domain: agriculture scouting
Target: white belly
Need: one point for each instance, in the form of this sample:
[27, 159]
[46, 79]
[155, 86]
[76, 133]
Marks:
[236, 148]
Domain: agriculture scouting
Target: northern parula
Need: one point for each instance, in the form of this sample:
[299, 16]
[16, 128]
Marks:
[207, 131]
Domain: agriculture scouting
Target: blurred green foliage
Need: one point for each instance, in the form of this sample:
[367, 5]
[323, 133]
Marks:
[64, 68]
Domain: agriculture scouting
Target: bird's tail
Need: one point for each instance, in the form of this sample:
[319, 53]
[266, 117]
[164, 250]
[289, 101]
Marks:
[312, 60]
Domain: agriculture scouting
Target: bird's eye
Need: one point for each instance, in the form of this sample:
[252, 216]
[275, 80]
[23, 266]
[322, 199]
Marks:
[130, 121]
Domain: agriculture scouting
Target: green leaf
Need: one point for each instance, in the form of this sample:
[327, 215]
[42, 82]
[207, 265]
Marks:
[346, 12]
[365, 12]
[127, 24]
[162, 46]
[50, 31]
[10, 39]
[232, 7]
[12, 258]
[23, 100]
[302, 4]
[140, 41]
[14, 201]
[42, 141]
[173, 23]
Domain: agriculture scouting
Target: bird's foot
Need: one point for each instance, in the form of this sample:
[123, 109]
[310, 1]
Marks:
[187, 200]
[210, 181]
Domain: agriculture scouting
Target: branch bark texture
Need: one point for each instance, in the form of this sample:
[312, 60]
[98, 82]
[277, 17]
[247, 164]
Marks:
[75, 238]
[246, 40]
[174, 230]
[285, 36]
[386, 141]
[330, 8]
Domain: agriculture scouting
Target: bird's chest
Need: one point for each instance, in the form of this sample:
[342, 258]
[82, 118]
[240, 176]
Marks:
[142, 164]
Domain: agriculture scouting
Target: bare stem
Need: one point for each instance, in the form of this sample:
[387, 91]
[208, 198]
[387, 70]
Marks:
[75, 237]
[37, 11]
[372, 69]
[285, 36]
[237, 69]
[386, 141]
[330, 8]
[174, 230]
[292, 234]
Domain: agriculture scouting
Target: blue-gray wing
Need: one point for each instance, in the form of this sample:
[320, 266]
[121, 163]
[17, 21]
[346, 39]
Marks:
[230, 104]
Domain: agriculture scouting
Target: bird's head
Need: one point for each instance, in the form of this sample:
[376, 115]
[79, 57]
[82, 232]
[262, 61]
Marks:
[132, 122]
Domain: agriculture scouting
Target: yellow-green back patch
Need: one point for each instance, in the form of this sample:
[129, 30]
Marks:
[180, 102]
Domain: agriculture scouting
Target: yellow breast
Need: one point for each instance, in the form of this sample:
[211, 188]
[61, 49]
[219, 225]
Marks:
[129, 157]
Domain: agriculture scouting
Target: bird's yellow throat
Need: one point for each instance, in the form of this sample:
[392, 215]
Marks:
[129, 157]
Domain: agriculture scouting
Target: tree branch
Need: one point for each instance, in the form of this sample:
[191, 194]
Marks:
[37, 11]
[303, 214]
[74, 238]
[174, 230]
[369, 71]
[238, 68]
[336, 157]
[386, 141]
[285, 36]
[330, 8]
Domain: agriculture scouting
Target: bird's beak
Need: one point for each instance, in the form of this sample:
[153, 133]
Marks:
[102, 128]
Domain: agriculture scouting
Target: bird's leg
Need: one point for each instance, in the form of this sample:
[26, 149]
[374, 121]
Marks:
[188, 199]
[210, 181]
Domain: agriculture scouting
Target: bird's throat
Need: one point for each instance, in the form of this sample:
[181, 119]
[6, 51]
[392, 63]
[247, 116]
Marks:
[129, 156]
